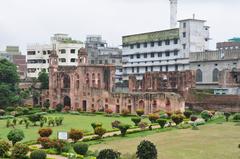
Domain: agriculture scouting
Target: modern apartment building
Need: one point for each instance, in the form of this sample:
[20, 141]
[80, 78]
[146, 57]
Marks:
[38, 54]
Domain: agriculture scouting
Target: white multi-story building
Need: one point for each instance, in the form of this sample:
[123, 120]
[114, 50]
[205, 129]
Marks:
[38, 54]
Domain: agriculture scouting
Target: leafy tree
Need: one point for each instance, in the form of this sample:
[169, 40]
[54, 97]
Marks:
[146, 150]
[108, 154]
[44, 79]
[15, 136]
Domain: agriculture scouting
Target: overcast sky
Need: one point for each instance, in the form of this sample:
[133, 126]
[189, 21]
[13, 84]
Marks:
[25, 22]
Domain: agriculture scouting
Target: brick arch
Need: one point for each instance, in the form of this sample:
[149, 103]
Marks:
[66, 81]
[141, 104]
[67, 101]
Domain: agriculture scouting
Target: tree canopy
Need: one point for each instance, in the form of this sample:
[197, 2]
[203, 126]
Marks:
[43, 78]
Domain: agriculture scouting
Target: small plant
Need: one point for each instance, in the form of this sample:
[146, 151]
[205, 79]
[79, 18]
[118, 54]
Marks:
[140, 112]
[75, 135]
[227, 115]
[95, 125]
[123, 128]
[4, 148]
[206, 115]
[177, 118]
[193, 118]
[45, 132]
[187, 114]
[142, 125]
[125, 112]
[19, 151]
[45, 142]
[15, 136]
[136, 120]
[38, 154]
[109, 111]
[153, 117]
[115, 124]
[100, 131]
[80, 148]
[162, 122]
[146, 150]
[108, 154]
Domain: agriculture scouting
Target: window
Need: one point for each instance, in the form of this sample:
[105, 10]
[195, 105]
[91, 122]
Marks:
[159, 43]
[62, 60]
[167, 53]
[132, 46]
[167, 68]
[74, 60]
[160, 68]
[145, 55]
[175, 41]
[216, 64]
[137, 69]
[152, 44]
[184, 25]
[106, 61]
[49, 51]
[159, 54]
[100, 61]
[151, 68]
[175, 52]
[138, 56]
[184, 34]
[92, 61]
[215, 75]
[138, 46]
[176, 67]
[113, 61]
[132, 69]
[31, 52]
[145, 45]
[184, 46]
[44, 52]
[146, 69]
[72, 51]
[152, 55]
[131, 56]
[199, 75]
[63, 51]
[167, 42]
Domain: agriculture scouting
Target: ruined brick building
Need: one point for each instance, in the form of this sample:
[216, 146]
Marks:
[90, 87]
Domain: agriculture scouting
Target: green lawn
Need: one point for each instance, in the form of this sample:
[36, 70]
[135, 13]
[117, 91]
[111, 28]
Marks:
[211, 141]
[70, 121]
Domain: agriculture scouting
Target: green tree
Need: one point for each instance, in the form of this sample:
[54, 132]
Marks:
[44, 79]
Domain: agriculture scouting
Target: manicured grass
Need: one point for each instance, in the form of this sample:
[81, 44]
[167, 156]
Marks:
[82, 122]
[211, 141]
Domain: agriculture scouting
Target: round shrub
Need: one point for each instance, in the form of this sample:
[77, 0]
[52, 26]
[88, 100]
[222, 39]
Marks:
[146, 150]
[10, 109]
[177, 118]
[136, 120]
[4, 148]
[100, 131]
[80, 148]
[45, 132]
[236, 117]
[15, 136]
[59, 107]
[140, 112]
[153, 117]
[109, 111]
[75, 135]
[227, 115]
[193, 118]
[108, 154]
[142, 125]
[95, 125]
[206, 115]
[2, 112]
[115, 124]
[187, 113]
[162, 122]
[35, 118]
[45, 142]
[19, 151]
[123, 128]
[125, 112]
[38, 154]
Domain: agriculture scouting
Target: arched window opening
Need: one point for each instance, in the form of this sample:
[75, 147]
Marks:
[199, 76]
[215, 75]
[66, 81]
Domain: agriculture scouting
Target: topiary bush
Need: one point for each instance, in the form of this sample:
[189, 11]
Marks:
[206, 115]
[140, 112]
[4, 148]
[45, 132]
[227, 115]
[125, 112]
[15, 136]
[153, 117]
[75, 134]
[94, 125]
[187, 113]
[108, 154]
[177, 118]
[136, 120]
[236, 117]
[115, 124]
[162, 122]
[35, 118]
[10, 109]
[38, 154]
[100, 131]
[123, 128]
[20, 151]
[45, 142]
[80, 148]
[146, 150]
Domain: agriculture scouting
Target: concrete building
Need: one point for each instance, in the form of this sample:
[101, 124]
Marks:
[165, 50]
[100, 53]
[38, 54]
[13, 54]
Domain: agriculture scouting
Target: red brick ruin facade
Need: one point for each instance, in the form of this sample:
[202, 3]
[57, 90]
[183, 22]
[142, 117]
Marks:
[90, 87]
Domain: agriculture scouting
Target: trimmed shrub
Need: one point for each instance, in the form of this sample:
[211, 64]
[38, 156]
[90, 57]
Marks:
[123, 128]
[177, 118]
[227, 115]
[59, 145]
[236, 117]
[35, 118]
[125, 112]
[142, 125]
[95, 125]
[19, 151]
[136, 120]
[80, 148]
[187, 113]
[45, 142]
[75, 135]
[162, 122]
[108, 154]
[115, 124]
[4, 148]
[206, 115]
[193, 118]
[15, 136]
[45, 132]
[10, 109]
[2, 112]
[100, 131]
[109, 111]
[140, 112]
[38, 154]
[59, 107]
[153, 117]
[146, 150]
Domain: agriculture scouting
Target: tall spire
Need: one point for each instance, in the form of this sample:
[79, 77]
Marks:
[173, 13]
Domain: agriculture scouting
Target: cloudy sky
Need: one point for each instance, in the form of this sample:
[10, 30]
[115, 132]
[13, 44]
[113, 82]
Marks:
[25, 22]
